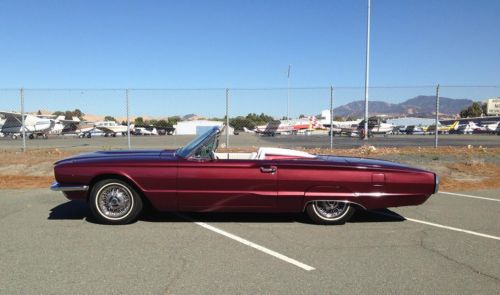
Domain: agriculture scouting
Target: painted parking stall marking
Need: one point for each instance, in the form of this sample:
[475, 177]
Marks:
[441, 226]
[469, 196]
[251, 244]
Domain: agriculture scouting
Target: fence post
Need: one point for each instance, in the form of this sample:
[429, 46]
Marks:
[128, 118]
[331, 117]
[23, 125]
[436, 130]
[227, 117]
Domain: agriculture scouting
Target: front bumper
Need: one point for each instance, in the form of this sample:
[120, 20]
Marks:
[57, 187]
[436, 183]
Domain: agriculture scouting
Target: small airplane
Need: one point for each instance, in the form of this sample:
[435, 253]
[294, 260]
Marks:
[33, 125]
[111, 128]
[339, 127]
[491, 127]
[470, 128]
[60, 122]
[443, 129]
[376, 126]
[82, 129]
[302, 125]
[145, 131]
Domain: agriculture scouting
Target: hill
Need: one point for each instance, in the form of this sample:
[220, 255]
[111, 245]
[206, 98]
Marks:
[418, 106]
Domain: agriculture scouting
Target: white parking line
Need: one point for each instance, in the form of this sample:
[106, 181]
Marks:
[442, 226]
[251, 244]
[469, 196]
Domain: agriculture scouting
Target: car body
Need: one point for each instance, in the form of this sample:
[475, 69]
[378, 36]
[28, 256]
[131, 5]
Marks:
[196, 178]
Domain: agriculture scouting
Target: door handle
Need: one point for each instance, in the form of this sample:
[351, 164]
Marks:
[270, 169]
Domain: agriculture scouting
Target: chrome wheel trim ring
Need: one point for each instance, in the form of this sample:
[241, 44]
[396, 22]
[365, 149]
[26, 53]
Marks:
[114, 201]
[330, 210]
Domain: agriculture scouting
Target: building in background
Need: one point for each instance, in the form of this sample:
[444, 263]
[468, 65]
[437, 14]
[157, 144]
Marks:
[196, 127]
[493, 107]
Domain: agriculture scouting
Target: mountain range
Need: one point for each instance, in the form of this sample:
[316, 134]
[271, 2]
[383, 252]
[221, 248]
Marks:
[418, 106]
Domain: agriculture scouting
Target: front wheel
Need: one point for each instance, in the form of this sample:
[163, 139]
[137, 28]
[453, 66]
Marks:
[330, 212]
[113, 201]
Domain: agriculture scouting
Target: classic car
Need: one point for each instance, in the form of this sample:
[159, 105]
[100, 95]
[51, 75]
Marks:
[197, 178]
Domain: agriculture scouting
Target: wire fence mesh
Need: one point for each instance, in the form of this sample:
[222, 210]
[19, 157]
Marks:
[280, 117]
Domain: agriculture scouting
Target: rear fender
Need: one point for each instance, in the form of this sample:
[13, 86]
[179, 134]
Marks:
[330, 193]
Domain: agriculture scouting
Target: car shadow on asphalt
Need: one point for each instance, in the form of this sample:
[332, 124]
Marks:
[74, 210]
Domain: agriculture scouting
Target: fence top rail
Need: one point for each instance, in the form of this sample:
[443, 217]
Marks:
[252, 88]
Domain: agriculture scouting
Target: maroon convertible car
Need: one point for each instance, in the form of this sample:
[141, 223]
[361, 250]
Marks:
[195, 177]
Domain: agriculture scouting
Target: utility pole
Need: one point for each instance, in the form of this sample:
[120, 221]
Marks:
[128, 118]
[367, 68]
[331, 117]
[288, 95]
[227, 118]
[436, 131]
[23, 124]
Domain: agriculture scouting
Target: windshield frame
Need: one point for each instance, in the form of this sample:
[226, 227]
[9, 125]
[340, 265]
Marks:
[191, 147]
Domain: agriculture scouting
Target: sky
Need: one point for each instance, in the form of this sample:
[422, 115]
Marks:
[243, 44]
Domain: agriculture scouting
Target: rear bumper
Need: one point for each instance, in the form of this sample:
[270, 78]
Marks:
[57, 187]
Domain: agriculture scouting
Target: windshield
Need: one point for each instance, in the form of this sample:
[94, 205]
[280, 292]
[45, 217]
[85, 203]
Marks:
[193, 145]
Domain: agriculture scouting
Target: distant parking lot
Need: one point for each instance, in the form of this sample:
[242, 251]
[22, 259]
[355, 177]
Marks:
[448, 245]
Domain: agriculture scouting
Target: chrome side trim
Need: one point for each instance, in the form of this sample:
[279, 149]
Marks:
[70, 188]
[342, 201]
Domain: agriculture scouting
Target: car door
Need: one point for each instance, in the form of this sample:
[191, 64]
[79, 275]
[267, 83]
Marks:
[226, 185]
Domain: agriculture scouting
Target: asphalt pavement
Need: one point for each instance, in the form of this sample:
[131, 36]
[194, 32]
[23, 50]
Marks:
[449, 245]
[252, 140]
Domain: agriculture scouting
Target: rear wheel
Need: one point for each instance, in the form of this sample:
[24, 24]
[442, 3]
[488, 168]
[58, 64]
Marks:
[330, 212]
[114, 201]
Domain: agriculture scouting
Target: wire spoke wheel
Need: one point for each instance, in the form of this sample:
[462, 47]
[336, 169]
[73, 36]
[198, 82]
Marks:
[114, 201]
[330, 212]
[330, 209]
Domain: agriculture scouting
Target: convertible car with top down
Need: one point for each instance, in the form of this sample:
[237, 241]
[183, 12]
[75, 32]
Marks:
[196, 178]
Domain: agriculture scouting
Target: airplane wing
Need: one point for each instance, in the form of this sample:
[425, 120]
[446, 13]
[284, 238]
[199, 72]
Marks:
[11, 114]
[12, 120]
[104, 129]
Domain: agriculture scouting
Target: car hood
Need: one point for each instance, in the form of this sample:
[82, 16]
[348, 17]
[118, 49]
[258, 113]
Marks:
[118, 155]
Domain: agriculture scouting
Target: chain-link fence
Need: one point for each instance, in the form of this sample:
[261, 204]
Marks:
[311, 117]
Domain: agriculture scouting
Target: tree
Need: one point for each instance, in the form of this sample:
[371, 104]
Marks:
[302, 116]
[139, 121]
[79, 114]
[484, 108]
[164, 124]
[174, 119]
[474, 110]
[109, 118]
[250, 121]
[68, 115]
[338, 118]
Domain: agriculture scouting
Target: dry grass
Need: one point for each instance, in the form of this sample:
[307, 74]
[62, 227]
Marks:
[460, 168]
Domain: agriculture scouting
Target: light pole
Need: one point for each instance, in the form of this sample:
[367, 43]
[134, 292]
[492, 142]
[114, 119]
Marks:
[367, 69]
[288, 95]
